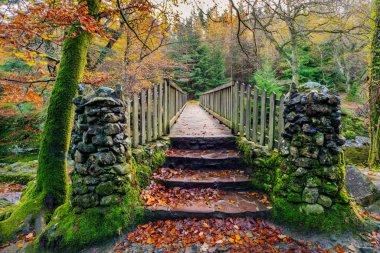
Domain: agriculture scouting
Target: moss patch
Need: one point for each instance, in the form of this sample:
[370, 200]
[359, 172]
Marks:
[338, 218]
[69, 231]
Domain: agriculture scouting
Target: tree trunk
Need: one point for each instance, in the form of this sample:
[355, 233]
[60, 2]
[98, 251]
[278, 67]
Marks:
[52, 169]
[374, 101]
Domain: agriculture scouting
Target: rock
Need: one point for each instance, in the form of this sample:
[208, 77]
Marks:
[103, 101]
[313, 182]
[360, 141]
[319, 139]
[81, 168]
[300, 172]
[112, 129]
[104, 92]
[86, 148]
[304, 162]
[310, 152]
[324, 157]
[329, 188]
[324, 201]
[293, 151]
[360, 187]
[294, 197]
[308, 129]
[102, 140]
[314, 85]
[79, 157]
[310, 195]
[121, 170]
[104, 188]
[109, 200]
[86, 201]
[111, 117]
[312, 209]
[105, 158]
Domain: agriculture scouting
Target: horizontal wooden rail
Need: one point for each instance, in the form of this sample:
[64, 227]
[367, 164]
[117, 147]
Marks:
[152, 112]
[258, 117]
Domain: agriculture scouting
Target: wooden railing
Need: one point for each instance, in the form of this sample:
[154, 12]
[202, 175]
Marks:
[152, 112]
[256, 116]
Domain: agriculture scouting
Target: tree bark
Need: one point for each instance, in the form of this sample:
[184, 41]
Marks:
[52, 169]
[374, 89]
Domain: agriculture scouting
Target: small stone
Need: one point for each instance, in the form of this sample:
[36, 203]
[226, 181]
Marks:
[105, 158]
[319, 139]
[300, 172]
[312, 209]
[104, 188]
[340, 140]
[121, 170]
[111, 117]
[303, 162]
[81, 169]
[90, 180]
[109, 200]
[86, 201]
[102, 140]
[79, 157]
[291, 117]
[310, 195]
[324, 157]
[293, 151]
[324, 201]
[103, 101]
[313, 182]
[308, 129]
[112, 129]
[86, 148]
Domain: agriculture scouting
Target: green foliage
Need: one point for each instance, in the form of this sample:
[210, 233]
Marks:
[202, 66]
[265, 78]
[353, 126]
[337, 219]
[21, 131]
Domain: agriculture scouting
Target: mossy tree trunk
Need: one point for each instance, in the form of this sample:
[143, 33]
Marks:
[52, 169]
[374, 89]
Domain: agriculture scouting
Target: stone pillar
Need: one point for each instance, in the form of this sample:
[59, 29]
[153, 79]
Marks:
[99, 147]
[314, 173]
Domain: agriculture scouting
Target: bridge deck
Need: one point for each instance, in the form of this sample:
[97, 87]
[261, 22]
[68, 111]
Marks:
[196, 122]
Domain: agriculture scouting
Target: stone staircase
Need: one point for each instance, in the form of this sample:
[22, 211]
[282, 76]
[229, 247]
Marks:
[206, 177]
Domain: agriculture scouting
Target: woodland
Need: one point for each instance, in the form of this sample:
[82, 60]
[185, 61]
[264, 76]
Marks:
[49, 47]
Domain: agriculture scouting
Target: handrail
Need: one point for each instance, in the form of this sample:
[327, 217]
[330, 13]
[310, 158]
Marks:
[221, 87]
[151, 112]
[256, 116]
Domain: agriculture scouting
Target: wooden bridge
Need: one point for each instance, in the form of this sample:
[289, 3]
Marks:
[204, 159]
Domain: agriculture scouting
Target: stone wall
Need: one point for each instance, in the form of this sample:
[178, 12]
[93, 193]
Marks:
[314, 171]
[99, 149]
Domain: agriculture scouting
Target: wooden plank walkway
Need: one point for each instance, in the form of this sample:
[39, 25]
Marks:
[196, 122]
[203, 173]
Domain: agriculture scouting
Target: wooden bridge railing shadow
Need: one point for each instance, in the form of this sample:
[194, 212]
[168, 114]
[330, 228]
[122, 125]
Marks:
[150, 113]
[258, 117]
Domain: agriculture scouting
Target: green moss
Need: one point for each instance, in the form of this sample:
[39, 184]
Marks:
[70, 231]
[18, 177]
[356, 155]
[338, 218]
[158, 159]
[52, 170]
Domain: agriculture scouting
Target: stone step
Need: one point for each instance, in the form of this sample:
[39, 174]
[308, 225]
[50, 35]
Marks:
[227, 204]
[203, 159]
[225, 179]
[203, 143]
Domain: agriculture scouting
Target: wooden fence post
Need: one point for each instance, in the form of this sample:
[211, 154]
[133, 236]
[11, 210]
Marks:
[263, 117]
[135, 120]
[272, 120]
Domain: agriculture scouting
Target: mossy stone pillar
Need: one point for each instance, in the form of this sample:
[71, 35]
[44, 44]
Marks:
[99, 148]
[312, 177]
